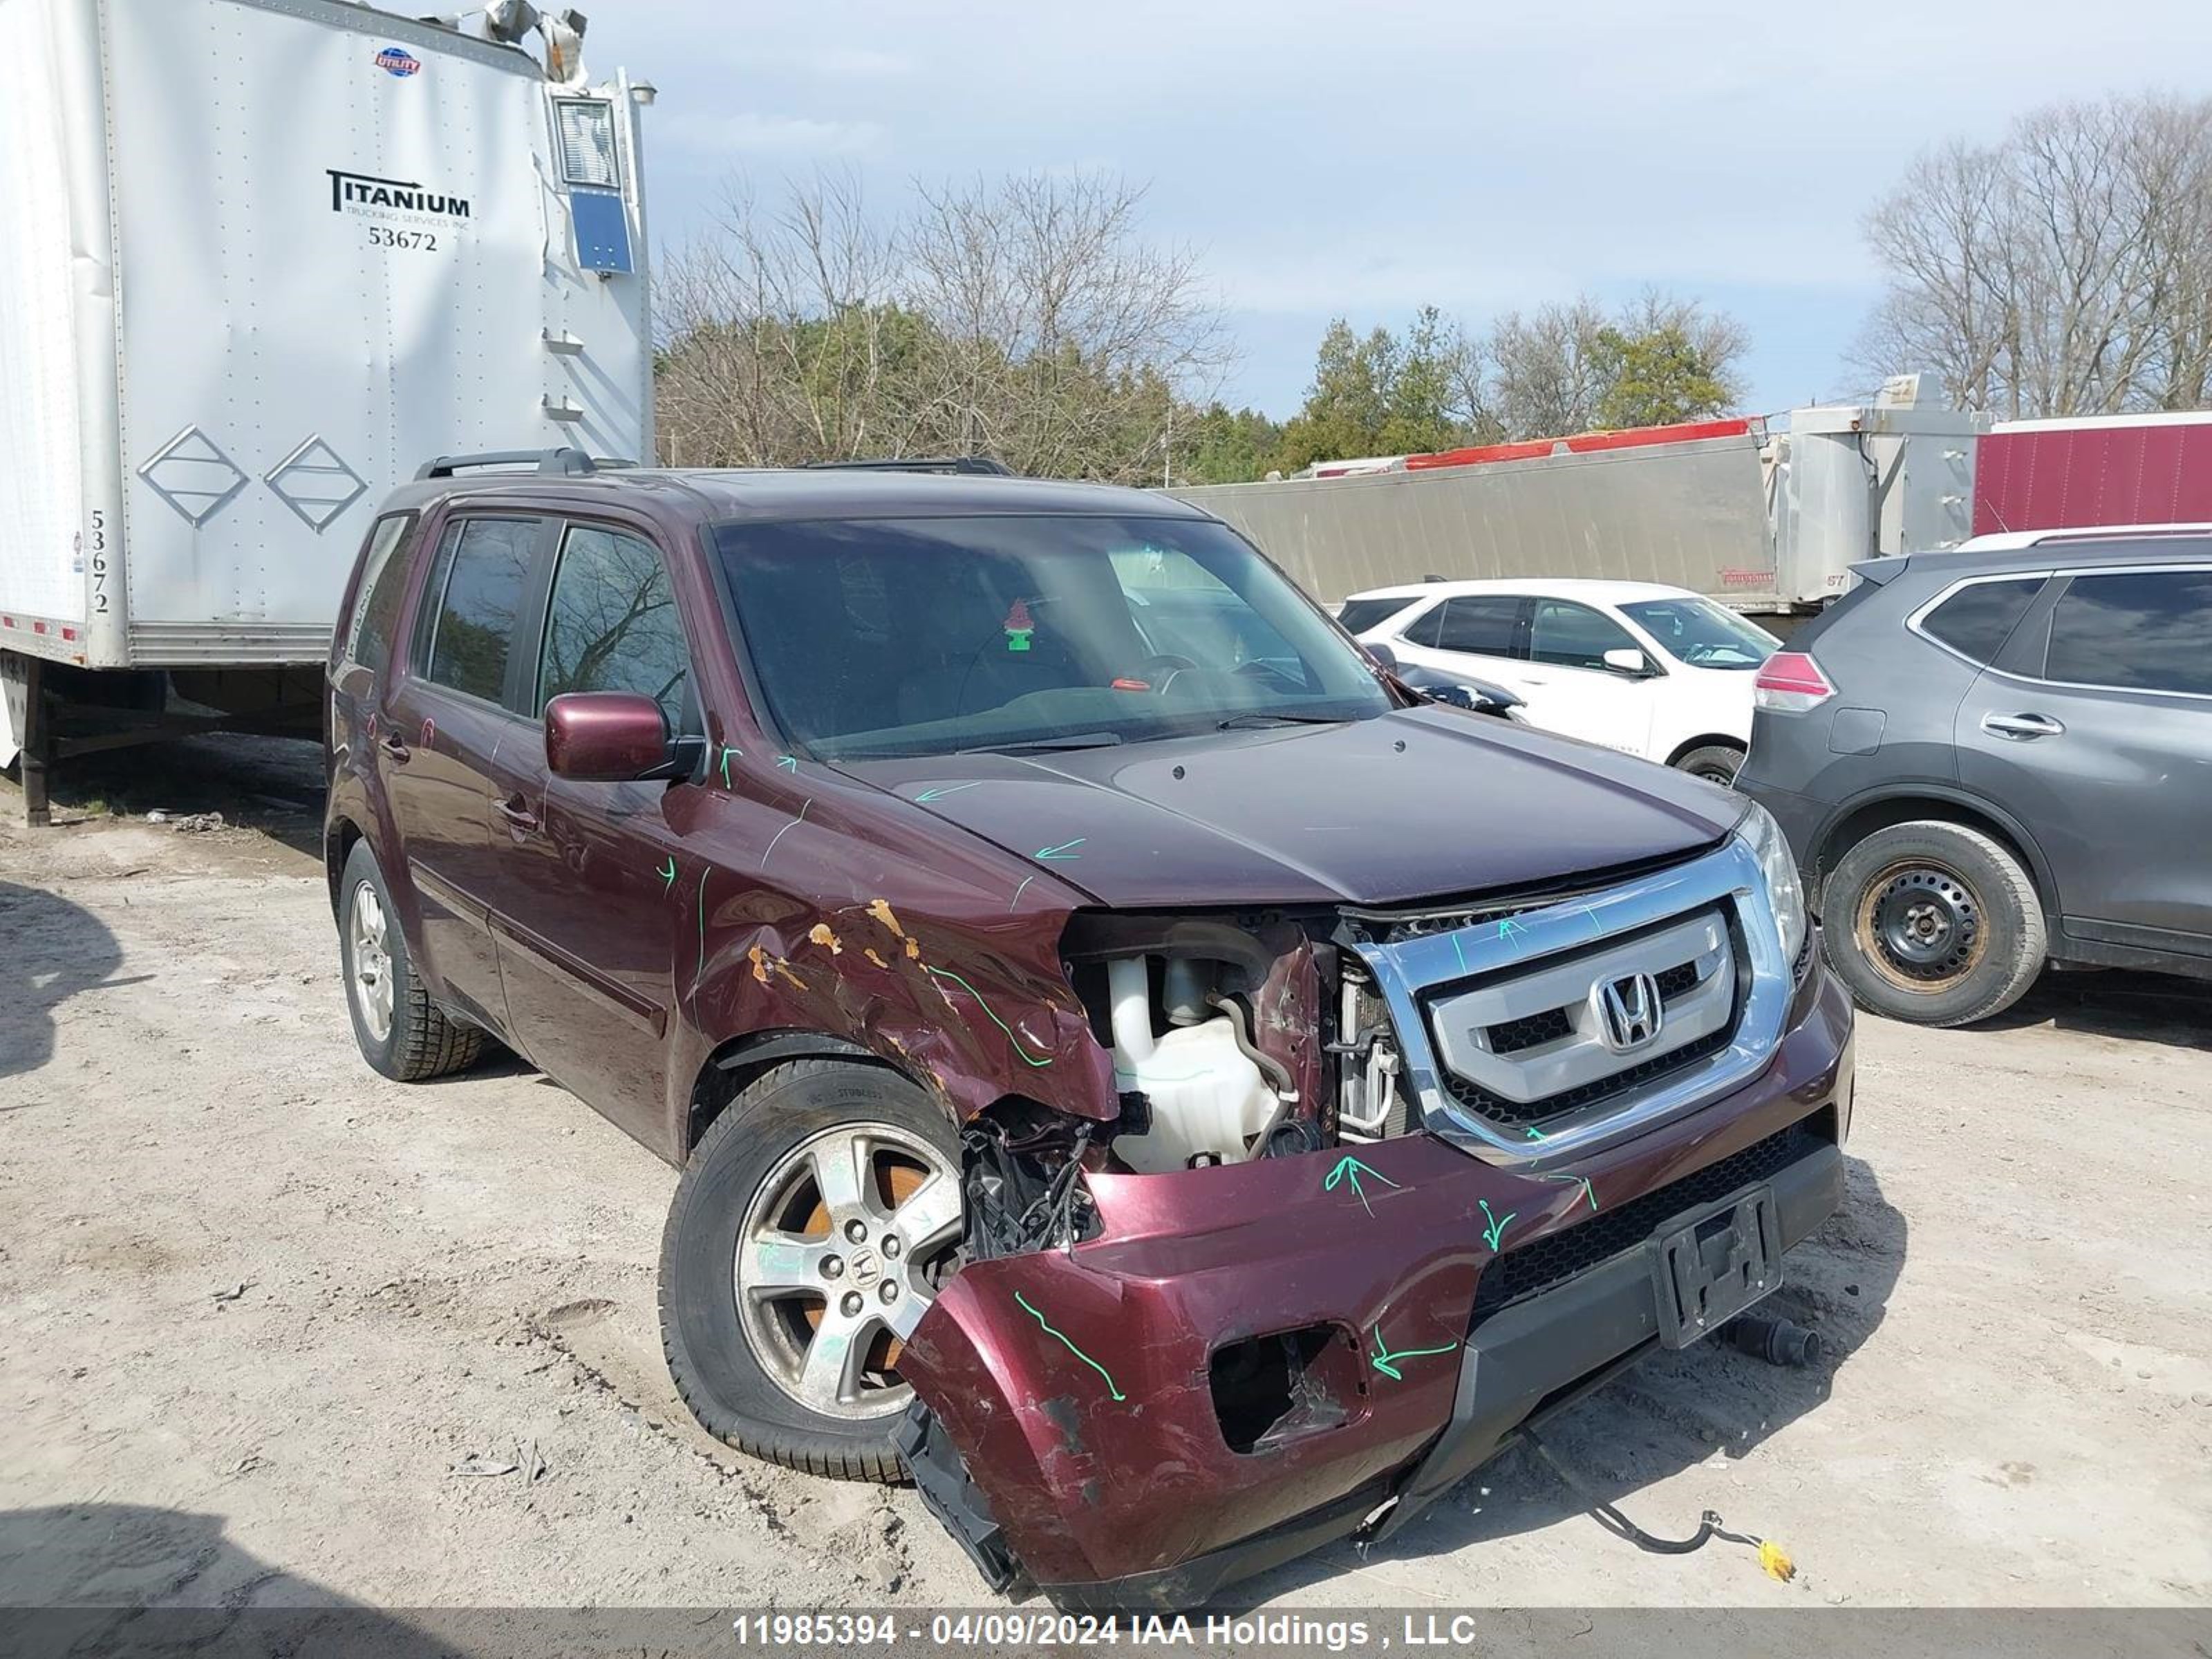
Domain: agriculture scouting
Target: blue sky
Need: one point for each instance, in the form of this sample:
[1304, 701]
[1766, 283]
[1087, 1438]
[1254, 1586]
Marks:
[1365, 160]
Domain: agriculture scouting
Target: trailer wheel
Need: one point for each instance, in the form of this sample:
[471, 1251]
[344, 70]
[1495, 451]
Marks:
[402, 1033]
[1717, 763]
[817, 1219]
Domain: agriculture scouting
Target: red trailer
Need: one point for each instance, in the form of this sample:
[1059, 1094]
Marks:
[2094, 470]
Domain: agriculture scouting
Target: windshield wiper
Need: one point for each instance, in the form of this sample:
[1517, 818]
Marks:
[1060, 740]
[1271, 717]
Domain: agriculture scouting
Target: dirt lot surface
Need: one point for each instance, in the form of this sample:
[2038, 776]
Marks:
[271, 1327]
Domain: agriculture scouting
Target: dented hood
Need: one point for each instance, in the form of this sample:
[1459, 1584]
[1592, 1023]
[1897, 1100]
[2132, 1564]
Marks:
[1418, 804]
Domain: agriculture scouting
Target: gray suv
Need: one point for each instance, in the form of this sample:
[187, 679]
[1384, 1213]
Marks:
[1989, 759]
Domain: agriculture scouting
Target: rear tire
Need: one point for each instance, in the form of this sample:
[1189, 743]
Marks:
[1933, 923]
[1717, 763]
[821, 1184]
[401, 1032]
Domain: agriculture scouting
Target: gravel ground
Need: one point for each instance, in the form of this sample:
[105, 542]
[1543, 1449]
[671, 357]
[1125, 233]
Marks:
[274, 1330]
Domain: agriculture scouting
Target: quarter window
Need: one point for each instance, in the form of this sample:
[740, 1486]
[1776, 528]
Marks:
[1574, 635]
[1975, 621]
[2138, 630]
[483, 567]
[611, 625]
[376, 606]
[1482, 625]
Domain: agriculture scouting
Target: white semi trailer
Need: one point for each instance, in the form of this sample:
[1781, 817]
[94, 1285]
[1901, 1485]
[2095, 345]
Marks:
[1768, 522]
[261, 258]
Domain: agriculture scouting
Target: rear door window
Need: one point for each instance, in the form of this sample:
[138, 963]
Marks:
[611, 625]
[2135, 630]
[1571, 636]
[1978, 619]
[476, 596]
[1486, 625]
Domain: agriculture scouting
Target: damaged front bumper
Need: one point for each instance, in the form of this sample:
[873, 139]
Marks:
[1250, 1361]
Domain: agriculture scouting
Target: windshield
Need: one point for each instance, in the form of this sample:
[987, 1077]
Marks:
[1702, 634]
[927, 636]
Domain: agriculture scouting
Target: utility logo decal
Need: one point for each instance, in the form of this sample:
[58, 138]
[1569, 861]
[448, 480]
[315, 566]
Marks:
[398, 61]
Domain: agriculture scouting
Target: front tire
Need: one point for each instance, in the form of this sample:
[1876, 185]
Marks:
[1933, 923]
[816, 1221]
[401, 1032]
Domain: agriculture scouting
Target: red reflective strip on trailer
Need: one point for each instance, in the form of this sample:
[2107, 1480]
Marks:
[38, 628]
[69, 633]
[1585, 443]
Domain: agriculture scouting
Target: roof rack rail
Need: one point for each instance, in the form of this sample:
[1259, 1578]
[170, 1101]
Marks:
[982, 464]
[567, 463]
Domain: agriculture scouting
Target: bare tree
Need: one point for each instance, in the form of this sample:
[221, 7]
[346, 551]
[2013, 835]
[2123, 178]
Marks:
[1027, 318]
[1549, 373]
[2065, 269]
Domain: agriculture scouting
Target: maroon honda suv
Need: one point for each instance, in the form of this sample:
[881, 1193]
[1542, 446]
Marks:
[1138, 1070]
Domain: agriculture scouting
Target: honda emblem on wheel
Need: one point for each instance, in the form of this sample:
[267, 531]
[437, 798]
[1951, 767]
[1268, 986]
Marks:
[1629, 1011]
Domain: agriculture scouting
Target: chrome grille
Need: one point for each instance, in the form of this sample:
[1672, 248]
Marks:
[1590, 1015]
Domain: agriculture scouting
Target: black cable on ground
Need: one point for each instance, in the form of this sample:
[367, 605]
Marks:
[1771, 1557]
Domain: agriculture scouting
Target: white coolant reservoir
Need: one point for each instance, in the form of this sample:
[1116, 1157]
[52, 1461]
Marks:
[1208, 1099]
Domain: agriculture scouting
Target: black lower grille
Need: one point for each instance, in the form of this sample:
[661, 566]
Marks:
[1521, 1113]
[1560, 1255]
[1677, 980]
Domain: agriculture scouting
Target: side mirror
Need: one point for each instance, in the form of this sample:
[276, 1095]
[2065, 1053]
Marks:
[1382, 656]
[605, 736]
[1627, 659]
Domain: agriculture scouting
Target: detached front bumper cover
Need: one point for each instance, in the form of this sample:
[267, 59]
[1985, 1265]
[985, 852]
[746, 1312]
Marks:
[1250, 1361]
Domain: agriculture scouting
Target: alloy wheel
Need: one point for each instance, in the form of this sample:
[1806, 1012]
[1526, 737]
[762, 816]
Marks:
[842, 1249]
[368, 940]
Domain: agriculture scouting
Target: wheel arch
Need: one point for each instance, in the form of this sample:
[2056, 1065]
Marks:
[339, 835]
[740, 1061]
[1854, 823]
[1711, 739]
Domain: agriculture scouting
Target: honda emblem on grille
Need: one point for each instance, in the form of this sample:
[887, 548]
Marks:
[1629, 1011]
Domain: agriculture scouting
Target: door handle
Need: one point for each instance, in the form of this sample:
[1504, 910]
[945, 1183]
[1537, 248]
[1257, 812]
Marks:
[2021, 726]
[397, 750]
[516, 810]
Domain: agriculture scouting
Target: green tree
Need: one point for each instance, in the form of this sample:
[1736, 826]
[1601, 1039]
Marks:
[1348, 403]
[1655, 376]
[1423, 371]
[1220, 445]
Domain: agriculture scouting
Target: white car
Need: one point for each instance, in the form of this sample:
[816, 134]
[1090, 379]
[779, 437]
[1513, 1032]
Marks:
[1656, 671]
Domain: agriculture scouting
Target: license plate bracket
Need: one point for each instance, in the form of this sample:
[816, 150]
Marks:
[1709, 1269]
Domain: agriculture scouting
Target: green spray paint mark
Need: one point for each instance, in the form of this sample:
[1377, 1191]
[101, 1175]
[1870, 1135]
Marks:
[1535, 1135]
[668, 876]
[927, 795]
[727, 752]
[1582, 1181]
[788, 762]
[1062, 1337]
[1508, 929]
[1024, 1055]
[1065, 851]
[1459, 952]
[1017, 898]
[1386, 1361]
[1496, 1230]
[1349, 1168]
